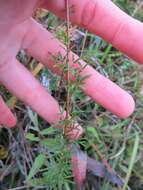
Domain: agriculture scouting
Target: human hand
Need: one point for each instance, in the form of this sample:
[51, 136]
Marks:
[19, 31]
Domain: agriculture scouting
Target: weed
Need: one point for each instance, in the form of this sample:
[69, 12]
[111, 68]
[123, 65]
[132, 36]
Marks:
[37, 155]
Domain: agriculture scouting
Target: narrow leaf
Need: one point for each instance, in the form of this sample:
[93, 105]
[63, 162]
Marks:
[38, 163]
[33, 116]
[48, 131]
[132, 161]
[31, 137]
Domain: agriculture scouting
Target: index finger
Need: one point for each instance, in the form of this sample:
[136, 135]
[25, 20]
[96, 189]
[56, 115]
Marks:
[99, 88]
[6, 117]
[105, 19]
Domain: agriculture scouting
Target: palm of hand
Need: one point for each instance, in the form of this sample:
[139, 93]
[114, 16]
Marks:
[20, 31]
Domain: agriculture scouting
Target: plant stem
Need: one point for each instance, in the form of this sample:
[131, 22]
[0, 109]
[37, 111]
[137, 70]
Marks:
[67, 63]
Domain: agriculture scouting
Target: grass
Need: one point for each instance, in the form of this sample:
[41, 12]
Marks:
[119, 141]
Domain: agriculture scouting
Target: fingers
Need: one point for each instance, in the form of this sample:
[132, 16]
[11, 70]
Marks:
[44, 47]
[6, 117]
[106, 20]
[14, 10]
[19, 81]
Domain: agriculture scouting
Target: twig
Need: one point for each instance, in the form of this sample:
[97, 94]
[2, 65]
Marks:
[102, 158]
[67, 64]
[83, 44]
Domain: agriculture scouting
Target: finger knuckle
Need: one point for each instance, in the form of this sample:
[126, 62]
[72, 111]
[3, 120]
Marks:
[4, 65]
[119, 29]
[88, 13]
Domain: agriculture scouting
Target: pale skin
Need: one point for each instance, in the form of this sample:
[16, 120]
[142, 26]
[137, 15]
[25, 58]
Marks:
[19, 31]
